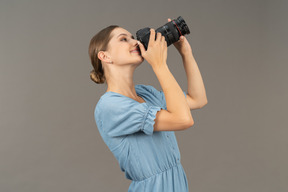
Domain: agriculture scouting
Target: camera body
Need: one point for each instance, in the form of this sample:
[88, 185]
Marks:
[171, 31]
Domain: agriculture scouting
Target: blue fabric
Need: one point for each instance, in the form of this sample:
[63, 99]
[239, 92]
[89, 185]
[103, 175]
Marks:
[151, 159]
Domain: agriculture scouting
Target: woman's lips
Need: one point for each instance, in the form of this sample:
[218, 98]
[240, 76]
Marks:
[135, 51]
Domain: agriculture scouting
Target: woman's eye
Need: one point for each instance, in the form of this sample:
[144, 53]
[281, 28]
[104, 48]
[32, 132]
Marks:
[124, 39]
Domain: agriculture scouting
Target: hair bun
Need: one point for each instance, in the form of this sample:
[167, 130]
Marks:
[99, 42]
[97, 78]
[93, 76]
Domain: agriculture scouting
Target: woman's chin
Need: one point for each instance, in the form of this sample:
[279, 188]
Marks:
[140, 60]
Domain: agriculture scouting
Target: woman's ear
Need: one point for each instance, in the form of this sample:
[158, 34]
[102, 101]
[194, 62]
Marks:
[103, 56]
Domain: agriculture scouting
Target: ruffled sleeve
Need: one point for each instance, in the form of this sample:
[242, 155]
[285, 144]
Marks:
[120, 116]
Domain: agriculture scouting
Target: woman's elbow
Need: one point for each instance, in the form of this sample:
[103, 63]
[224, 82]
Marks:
[203, 104]
[191, 123]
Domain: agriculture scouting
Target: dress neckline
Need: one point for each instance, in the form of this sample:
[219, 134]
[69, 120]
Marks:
[126, 96]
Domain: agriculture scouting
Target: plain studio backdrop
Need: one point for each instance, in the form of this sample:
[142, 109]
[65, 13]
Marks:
[49, 140]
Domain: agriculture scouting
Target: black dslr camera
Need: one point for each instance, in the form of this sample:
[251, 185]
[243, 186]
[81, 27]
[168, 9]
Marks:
[171, 31]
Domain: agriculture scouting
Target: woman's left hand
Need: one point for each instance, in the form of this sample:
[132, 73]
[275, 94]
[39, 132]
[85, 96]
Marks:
[182, 45]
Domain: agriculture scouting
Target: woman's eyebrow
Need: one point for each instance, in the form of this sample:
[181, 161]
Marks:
[126, 35]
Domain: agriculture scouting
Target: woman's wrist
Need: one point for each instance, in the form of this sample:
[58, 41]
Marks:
[160, 68]
[186, 54]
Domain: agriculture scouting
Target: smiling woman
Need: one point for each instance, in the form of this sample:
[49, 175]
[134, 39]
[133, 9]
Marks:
[137, 122]
[111, 42]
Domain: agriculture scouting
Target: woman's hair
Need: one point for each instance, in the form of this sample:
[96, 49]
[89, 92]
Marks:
[99, 43]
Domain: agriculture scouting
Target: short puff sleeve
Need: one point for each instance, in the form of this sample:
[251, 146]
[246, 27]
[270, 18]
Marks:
[119, 115]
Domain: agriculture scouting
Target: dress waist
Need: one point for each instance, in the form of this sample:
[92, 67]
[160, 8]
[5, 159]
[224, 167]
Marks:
[160, 172]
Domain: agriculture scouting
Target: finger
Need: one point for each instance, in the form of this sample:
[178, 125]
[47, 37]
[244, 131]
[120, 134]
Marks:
[162, 38]
[152, 36]
[165, 45]
[142, 48]
[181, 38]
[165, 42]
[162, 41]
[158, 37]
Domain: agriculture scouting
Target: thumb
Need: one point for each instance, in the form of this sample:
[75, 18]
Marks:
[142, 48]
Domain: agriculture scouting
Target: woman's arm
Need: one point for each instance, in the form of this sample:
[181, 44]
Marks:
[178, 115]
[196, 94]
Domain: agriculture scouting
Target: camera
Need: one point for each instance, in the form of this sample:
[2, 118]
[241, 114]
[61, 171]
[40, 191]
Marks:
[171, 31]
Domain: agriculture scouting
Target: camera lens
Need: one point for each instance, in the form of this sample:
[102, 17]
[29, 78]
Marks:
[171, 31]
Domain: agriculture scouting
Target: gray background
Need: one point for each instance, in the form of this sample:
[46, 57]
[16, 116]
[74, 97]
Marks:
[49, 140]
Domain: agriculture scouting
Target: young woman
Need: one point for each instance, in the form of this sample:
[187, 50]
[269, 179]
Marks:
[137, 122]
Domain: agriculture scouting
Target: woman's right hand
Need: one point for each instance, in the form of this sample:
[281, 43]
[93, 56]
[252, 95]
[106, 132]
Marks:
[156, 54]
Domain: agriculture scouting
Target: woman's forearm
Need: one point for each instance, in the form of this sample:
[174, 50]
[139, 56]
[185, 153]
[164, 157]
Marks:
[175, 99]
[196, 89]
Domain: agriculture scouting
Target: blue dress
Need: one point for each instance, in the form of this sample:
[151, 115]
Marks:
[150, 159]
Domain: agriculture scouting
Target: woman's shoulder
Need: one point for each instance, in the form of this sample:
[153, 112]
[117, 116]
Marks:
[151, 94]
[146, 89]
[109, 99]
[112, 99]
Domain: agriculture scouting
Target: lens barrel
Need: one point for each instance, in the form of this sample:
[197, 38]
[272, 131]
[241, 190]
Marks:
[171, 31]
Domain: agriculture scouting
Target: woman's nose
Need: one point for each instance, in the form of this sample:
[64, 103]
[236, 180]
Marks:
[134, 42]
